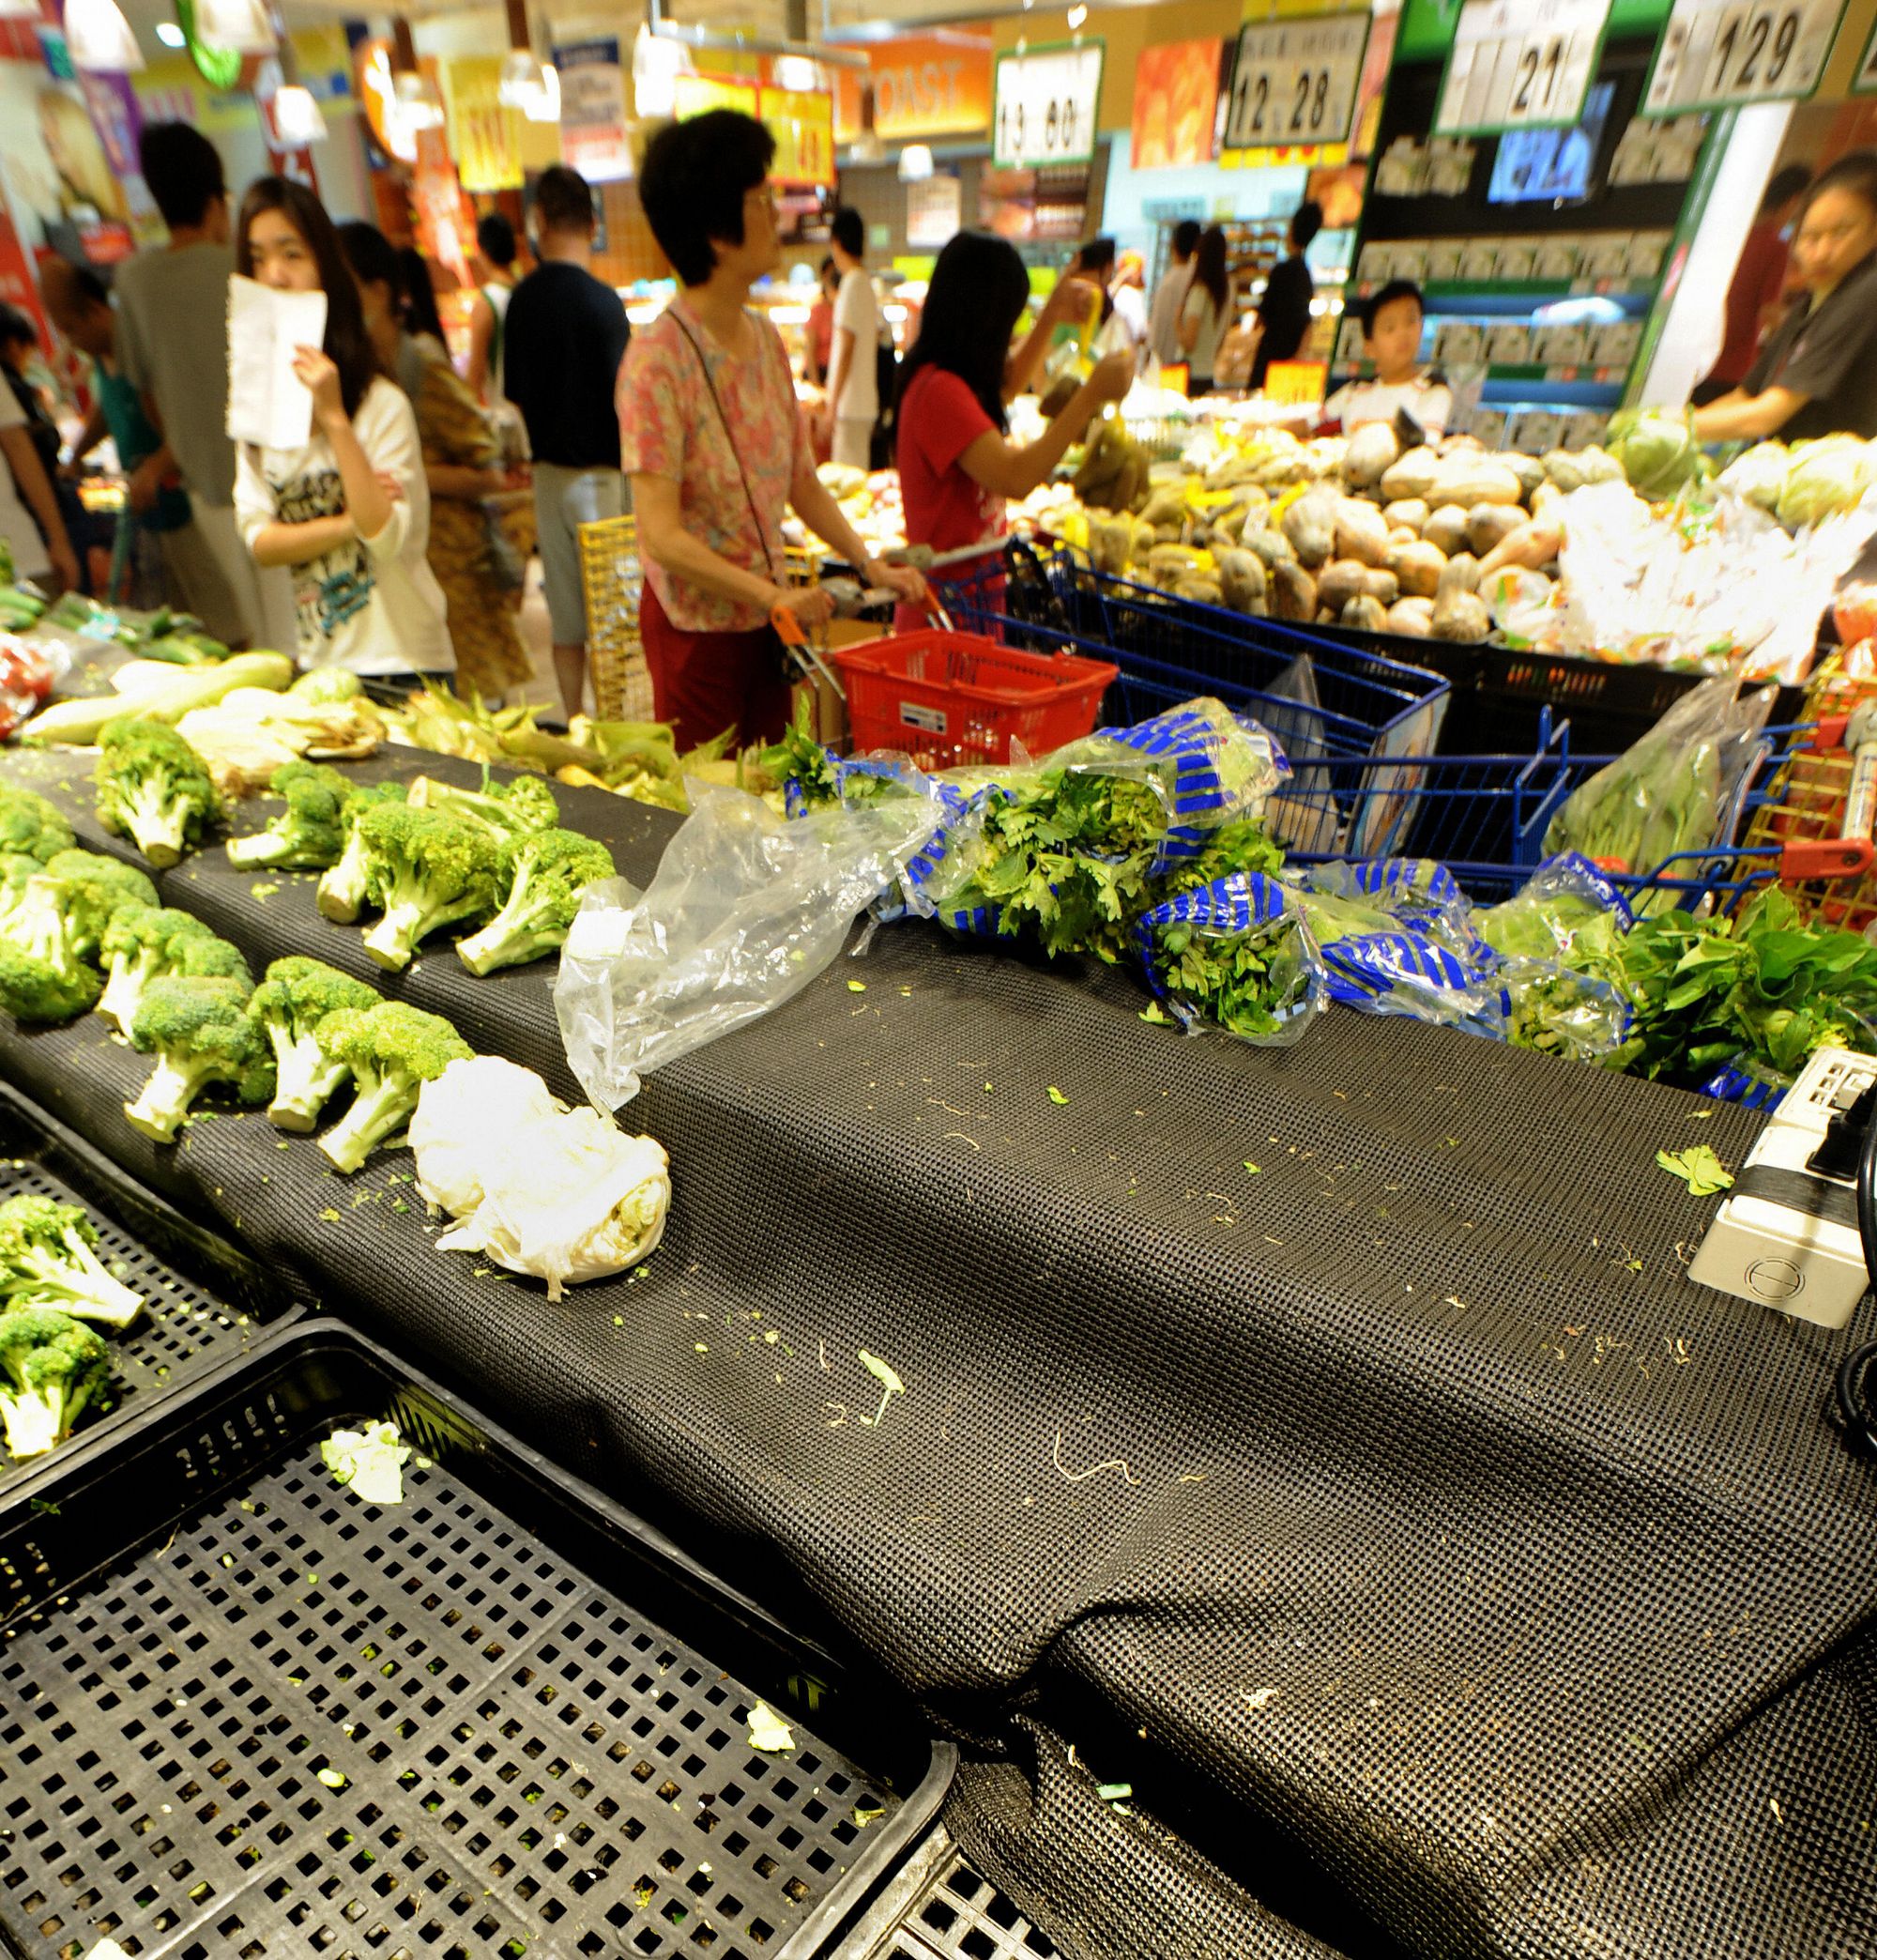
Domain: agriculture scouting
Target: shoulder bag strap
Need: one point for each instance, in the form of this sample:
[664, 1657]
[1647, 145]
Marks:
[723, 421]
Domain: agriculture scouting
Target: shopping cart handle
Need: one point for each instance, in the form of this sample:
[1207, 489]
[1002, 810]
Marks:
[1827, 857]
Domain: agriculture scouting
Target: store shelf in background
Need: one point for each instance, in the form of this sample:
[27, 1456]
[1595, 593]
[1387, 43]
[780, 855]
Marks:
[1528, 289]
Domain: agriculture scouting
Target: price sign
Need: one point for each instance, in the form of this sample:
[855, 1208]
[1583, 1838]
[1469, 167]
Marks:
[1718, 53]
[803, 128]
[1046, 108]
[1519, 65]
[1295, 80]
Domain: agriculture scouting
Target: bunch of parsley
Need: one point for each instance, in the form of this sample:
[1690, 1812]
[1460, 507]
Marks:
[1252, 984]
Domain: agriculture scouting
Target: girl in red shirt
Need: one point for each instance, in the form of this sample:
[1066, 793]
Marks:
[957, 466]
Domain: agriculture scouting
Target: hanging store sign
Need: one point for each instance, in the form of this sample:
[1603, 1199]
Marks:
[593, 110]
[482, 132]
[1519, 65]
[923, 86]
[1047, 102]
[803, 128]
[1176, 99]
[697, 94]
[1721, 53]
[1295, 81]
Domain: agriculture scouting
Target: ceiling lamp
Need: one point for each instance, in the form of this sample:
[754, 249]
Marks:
[798, 75]
[915, 163]
[520, 80]
[419, 106]
[99, 38]
[167, 32]
[545, 108]
[245, 25]
[657, 63]
[299, 121]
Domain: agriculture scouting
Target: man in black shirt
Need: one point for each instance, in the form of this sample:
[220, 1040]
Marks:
[562, 342]
[1284, 313]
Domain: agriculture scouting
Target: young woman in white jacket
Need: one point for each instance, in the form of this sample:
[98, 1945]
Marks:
[349, 513]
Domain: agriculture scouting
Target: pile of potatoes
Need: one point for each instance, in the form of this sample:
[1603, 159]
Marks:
[1360, 533]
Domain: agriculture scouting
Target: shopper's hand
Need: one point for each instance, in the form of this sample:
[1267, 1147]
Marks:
[314, 367]
[142, 487]
[813, 606]
[907, 580]
[1113, 377]
[391, 484]
[1073, 298]
[65, 563]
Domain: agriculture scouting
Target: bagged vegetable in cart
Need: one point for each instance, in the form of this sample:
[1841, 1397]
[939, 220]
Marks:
[1674, 790]
[1542, 920]
[1414, 892]
[28, 674]
[746, 908]
[1214, 957]
[1554, 1009]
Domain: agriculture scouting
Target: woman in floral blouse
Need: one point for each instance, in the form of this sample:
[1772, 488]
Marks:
[710, 437]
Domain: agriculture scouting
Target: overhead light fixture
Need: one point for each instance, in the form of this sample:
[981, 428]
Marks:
[418, 103]
[520, 80]
[915, 163]
[99, 38]
[167, 32]
[657, 63]
[247, 26]
[299, 121]
[798, 75]
[1077, 16]
[545, 107]
[866, 148]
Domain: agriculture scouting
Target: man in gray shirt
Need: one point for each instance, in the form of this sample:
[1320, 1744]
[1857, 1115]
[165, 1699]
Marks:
[173, 341]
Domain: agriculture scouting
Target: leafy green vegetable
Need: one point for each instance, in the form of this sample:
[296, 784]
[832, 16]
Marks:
[1253, 984]
[883, 1373]
[370, 1461]
[1699, 1166]
[1658, 450]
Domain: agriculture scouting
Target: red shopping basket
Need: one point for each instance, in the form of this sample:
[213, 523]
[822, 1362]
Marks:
[948, 697]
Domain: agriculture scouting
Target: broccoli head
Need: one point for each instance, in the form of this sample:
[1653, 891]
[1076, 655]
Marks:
[145, 943]
[63, 911]
[426, 871]
[289, 1004]
[154, 788]
[56, 989]
[200, 1032]
[48, 1258]
[543, 874]
[31, 826]
[306, 836]
[51, 1368]
[503, 809]
[392, 1051]
[344, 888]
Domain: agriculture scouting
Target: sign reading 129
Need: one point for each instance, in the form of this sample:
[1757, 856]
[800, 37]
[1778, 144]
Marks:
[1047, 104]
[1718, 53]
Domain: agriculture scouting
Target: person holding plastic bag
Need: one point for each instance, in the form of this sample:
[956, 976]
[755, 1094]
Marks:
[710, 437]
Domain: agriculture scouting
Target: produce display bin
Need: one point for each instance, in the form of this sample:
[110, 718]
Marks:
[206, 1300]
[243, 1712]
[949, 697]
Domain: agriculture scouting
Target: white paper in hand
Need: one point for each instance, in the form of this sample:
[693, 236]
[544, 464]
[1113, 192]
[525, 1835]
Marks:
[267, 403]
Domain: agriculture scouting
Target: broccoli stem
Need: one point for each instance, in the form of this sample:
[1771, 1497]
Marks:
[265, 848]
[159, 1111]
[82, 1286]
[124, 985]
[518, 933]
[32, 1420]
[343, 886]
[379, 1110]
[393, 940]
[304, 1081]
[157, 820]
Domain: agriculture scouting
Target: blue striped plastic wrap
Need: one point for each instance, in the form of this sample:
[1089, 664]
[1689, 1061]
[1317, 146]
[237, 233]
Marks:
[1230, 908]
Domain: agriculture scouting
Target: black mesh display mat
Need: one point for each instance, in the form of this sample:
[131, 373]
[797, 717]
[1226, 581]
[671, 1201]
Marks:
[1441, 1570]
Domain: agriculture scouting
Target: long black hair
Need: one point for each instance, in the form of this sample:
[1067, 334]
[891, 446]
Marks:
[1210, 270]
[347, 345]
[418, 294]
[978, 292]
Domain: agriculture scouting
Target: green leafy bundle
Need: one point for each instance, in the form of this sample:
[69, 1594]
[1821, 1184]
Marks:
[1252, 984]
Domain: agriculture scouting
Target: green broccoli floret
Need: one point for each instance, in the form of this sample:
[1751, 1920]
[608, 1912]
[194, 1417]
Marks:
[330, 683]
[153, 787]
[289, 1004]
[50, 1366]
[145, 943]
[63, 911]
[32, 826]
[200, 1032]
[306, 836]
[542, 875]
[392, 1051]
[504, 810]
[426, 871]
[16, 869]
[36, 989]
[344, 887]
[48, 1258]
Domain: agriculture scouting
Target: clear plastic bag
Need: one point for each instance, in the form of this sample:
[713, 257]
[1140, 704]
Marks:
[1222, 961]
[746, 908]
[1674, 791]
[1416, 892]
[1556, 1010]
[1541, 921]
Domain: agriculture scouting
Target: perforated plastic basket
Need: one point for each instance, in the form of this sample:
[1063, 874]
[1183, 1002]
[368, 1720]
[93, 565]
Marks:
[951, 698]
[206, 1299]
[242, 1712]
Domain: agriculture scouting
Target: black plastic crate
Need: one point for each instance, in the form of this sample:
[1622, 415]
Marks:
[207, 1300]
[243, 1712]
[961, 1915]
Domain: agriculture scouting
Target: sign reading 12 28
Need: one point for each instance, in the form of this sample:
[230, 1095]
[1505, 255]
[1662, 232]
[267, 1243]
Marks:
[1295, 82]
[1716, 53]
[1519, 64]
